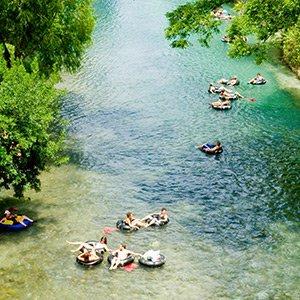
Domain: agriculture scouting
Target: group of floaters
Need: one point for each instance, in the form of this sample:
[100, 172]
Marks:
[224, 103]
[13, 222]
[227, 95]
[92, 252]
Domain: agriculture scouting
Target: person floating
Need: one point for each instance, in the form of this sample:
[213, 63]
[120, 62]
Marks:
[134, 223]
[217, 90]
[88, 256]
[157, 219]
[221, 14]
[221, 105]
[232, 81]
[10, 217]
[91, 246]
[226, 39]
[258, 79]
[120, 255]
[215, 148]
[224, 95]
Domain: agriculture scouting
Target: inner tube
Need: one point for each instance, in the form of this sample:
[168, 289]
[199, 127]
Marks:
[160, 222]
[153, 264]
[16, 226]
[217, 90]
[260, 82]
[92, 243]
[231, 97]
[208, 146]
[221, 107]
[123, 262]
[123, 226]
[90, 263]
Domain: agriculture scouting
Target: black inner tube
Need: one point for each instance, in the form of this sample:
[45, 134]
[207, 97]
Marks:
[123, 226]
[124, 262]
[92, 262]
[150, 263]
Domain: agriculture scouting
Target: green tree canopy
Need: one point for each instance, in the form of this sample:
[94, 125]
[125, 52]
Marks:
[55, 32]
[31, 131]
[266, 22]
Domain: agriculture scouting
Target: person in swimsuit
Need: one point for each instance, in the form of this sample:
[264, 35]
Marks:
[215, 149]
[15, 219]
[87, 256]
[134, 223]
[120, 254]
[93, 247]
[257, 79]
[157, 218]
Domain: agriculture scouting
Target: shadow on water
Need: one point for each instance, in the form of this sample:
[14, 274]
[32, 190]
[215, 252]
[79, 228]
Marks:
[29, 208]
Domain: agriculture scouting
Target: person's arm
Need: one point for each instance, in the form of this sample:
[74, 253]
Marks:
[134, 253]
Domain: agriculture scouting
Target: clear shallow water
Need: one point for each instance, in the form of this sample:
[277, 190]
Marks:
[137, 109]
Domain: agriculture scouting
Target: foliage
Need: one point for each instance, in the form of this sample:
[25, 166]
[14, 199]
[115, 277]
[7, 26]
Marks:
[55, 32]
[192, 18]
[291, 45]
[266, 23]
[31, 131]
[38, 39]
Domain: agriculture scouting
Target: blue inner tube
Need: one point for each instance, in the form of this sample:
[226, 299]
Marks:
[90, 263]
[124, 262]
[123, 226]
[16, 226]
[153, 264]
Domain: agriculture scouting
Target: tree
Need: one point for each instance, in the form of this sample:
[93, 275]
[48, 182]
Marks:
[31, 131]
[55, 32]
[268, 23]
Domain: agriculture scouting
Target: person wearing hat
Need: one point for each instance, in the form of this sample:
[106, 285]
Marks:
[9, 216]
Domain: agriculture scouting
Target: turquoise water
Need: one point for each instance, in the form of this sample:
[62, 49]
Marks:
[137, 108]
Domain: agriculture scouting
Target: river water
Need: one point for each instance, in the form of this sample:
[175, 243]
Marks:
[137, 108]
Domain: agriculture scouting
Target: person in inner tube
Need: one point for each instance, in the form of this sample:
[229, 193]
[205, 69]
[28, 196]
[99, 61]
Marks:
[157, 218]
[9, 216]
[93, 247]
[217, 148]
[257, 79]
[134, 223]
[121, 254]
[225, 95]
[220, 104]
[232, 81]
[87, 256]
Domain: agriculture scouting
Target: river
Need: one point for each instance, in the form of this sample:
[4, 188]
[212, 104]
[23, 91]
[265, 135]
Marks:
[137, 108]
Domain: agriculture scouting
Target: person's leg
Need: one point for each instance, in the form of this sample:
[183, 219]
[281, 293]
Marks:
[114, 263]
[26, 218]
[81, 246]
